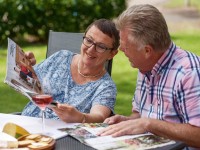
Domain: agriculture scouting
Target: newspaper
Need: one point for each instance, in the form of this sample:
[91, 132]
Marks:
[20, 74]
[87, 134]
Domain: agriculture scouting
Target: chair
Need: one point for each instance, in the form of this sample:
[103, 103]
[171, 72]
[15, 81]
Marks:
[68, 41]
[63, 40]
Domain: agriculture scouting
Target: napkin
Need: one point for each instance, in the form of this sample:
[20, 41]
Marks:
[7, 141]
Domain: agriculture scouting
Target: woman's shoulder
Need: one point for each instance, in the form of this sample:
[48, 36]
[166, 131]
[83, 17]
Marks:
[64, 53]
[60, 56]
[107, 80]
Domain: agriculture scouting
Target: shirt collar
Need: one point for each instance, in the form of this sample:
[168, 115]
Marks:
[164, 61]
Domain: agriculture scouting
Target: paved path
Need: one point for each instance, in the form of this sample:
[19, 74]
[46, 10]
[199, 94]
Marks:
[152, 2]
[177, 19]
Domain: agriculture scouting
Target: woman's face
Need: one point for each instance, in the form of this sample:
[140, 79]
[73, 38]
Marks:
[90, 56]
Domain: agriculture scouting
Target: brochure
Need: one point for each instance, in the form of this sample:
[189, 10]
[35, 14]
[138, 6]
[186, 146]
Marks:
[20, 74]
[87, 134]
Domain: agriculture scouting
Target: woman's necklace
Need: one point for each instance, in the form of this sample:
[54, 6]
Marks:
[88, 76]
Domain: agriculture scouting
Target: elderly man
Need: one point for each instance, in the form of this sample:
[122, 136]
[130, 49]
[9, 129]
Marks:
[167, 95]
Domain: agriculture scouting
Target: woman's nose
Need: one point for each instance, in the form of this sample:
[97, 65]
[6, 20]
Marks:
[92, 48]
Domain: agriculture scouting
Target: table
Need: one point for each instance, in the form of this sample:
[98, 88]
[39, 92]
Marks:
[63, 141]
[34, 125]
[70, 143]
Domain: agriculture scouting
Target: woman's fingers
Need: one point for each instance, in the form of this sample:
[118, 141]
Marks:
[31, 57]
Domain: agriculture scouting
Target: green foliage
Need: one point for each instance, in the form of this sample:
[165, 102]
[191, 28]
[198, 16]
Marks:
[37, 17]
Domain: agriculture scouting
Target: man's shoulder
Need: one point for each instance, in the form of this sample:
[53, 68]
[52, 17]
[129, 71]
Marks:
[186, 59]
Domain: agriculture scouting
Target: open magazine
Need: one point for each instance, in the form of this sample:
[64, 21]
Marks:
[20, 74]
[87, 134]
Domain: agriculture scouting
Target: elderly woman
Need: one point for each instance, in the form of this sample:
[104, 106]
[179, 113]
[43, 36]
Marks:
[79, 82]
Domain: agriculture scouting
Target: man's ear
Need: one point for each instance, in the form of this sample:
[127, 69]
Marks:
[148, 51]
[112, 54]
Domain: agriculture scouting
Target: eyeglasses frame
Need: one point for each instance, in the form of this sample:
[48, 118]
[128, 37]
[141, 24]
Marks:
[95, 44]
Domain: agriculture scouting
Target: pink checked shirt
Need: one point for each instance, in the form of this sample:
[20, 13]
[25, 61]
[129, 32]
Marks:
[171, 91]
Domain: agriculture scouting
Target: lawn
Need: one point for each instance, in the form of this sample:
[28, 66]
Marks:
[181, 3]
[123, 75]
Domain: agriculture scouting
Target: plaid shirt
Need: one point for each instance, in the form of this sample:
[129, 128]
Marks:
[171, 91]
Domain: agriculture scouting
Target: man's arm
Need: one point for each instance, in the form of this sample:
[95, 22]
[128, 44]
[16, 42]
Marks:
[182, 132]
[134, 115]
[119, 118]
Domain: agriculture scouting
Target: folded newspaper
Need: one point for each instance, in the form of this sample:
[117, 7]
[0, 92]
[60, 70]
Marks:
[87, 134]
[20, 74]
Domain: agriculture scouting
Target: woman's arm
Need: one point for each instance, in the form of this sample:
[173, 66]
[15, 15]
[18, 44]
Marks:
[70, 114]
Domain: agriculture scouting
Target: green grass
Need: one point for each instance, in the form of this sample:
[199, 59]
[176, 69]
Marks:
[125, 78]
[188, 40]
[181, 3]
[123, 75]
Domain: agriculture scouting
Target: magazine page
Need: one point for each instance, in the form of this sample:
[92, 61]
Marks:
[87, 134]
[80, 133]
[20, 74]
[135, 142]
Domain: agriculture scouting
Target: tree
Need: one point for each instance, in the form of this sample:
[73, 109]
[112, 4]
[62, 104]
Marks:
[20, 17]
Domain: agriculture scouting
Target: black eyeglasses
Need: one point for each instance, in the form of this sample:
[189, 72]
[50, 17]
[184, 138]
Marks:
[98, 46]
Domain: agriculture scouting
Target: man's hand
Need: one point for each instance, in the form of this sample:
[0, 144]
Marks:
[31, 57]
[115, 119]
[129, 127]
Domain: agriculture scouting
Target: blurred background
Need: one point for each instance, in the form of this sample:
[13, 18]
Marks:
[32, 19]
[28, 22]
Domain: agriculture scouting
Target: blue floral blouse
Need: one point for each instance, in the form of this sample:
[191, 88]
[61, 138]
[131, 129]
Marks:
[55, 71]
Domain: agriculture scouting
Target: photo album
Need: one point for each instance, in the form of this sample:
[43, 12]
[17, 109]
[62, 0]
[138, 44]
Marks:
[20, 74]
[87, 134]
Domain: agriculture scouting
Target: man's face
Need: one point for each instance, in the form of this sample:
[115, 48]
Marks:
[134, 52]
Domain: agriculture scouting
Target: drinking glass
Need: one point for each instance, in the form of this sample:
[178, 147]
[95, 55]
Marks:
[42, 100]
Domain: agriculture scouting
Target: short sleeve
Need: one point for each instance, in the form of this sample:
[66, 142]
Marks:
[106, 95]
[188, 97]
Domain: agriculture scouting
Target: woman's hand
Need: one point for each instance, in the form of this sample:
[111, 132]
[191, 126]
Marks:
[68, 113]
[30, 56]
